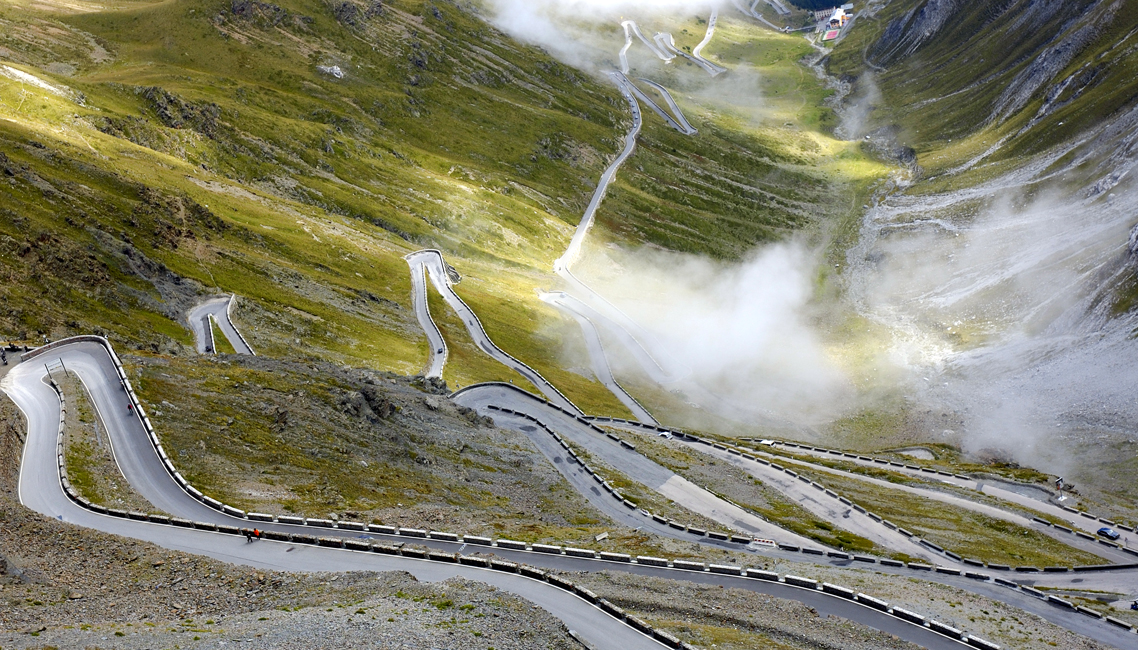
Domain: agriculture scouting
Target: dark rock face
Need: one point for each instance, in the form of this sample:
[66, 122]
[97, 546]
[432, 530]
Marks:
[177, 113]
[905, 34]
[432, 385]
[9, 167]
[347, 13]
[259, 11]
[883, 142]
[369, 403]
[1048, 65]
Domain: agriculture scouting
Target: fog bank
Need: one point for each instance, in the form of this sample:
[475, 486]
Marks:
[999, 300]
[563, 27]
[741, 331]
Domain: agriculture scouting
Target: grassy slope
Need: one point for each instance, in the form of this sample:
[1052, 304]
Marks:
[943, 95]
[314, 187]
[986, 538]
[939, 100]
[90, 461]
[762, 166]
[210, 143]
[220, 343]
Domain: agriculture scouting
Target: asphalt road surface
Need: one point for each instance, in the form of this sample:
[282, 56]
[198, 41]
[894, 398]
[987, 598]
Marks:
[632, 464]
[40, 490]
[597, 357]
[218, 310]
[434, 265]
[711, 22]
[825, 507]
[998, 490]
[437, 354]
[685, 127]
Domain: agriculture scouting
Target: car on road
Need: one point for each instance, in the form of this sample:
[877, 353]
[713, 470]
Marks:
[439, 351]
[1108, 533]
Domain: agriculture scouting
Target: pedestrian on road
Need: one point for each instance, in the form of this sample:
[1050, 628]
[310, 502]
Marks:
[130, 408]
[248, 534]
[257, 533]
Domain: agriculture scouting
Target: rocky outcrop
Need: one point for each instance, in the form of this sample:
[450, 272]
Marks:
[177, 113]
[905, 34]
[1050, 63]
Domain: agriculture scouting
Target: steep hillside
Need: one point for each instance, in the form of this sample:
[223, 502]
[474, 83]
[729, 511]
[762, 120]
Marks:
[1000, 269]
[955, 77]
[291, 153]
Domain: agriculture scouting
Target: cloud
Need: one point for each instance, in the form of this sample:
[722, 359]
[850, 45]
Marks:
[741, 330]
[566, 28]
[998, 299]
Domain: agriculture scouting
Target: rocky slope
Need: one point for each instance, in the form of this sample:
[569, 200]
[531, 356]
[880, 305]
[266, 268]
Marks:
[998, 269]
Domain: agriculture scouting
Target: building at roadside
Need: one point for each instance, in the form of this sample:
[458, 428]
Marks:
[839, 17]
[823, 14]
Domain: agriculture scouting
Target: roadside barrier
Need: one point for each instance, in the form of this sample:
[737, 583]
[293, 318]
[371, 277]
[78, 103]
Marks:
[375, 546]
[616, 494]
[493, 564]
[939, 472]
[749, 455]
[446, 281]
[229, 317]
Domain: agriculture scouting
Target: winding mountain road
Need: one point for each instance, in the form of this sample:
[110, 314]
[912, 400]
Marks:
[993, 488]
[1108, 553]
[678, 123]
[41, 490]
[579, 312]
[628, 462]
[828, 509]
[685, 127]
[436, 344]
[749, 11]
[862, 524]
[866, 526]
[143, 466]
[668, 42]
[1089, 525]
[573, 251]
[216, 309]
[698, 49]
[431, 262]
[777, 4]
[660, 52]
